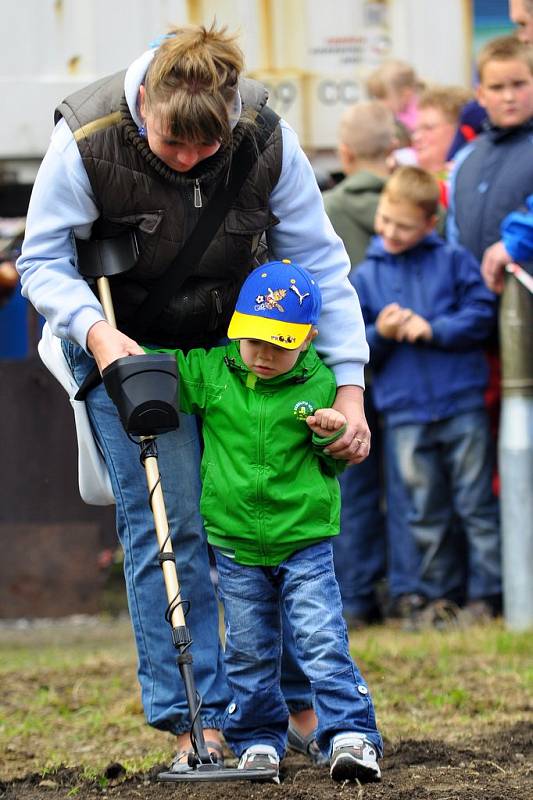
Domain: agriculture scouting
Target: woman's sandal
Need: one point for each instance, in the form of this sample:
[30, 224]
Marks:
[307, 746]
[180, 762]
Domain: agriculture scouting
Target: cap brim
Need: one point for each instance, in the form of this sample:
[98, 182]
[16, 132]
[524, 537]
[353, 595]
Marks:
[289, 335]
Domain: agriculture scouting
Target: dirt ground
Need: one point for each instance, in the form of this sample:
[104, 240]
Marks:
[496, 768]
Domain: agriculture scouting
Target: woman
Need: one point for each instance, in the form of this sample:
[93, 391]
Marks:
[146, 149]
[439, 110]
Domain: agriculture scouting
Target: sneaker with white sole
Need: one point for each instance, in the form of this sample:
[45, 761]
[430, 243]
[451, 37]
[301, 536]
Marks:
[354, 758]
[261, 756]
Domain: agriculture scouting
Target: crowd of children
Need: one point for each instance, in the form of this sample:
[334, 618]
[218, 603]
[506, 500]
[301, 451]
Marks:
[422, 516]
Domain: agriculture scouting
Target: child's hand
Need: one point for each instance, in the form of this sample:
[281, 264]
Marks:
[415, 329]
[390, 319]
[326, 421]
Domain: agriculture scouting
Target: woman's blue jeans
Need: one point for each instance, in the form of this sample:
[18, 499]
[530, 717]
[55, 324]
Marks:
[305, 586]
[163, 696]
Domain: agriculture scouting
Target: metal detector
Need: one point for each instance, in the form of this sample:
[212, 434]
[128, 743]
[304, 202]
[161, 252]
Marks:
[145, 392]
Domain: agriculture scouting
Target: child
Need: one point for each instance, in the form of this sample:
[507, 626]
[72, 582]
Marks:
[397, 85]
[366, 140]
[427, 314]
[494, 174]
[270, 503]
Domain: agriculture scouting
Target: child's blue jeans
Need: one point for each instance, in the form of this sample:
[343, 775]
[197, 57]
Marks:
[253, 597]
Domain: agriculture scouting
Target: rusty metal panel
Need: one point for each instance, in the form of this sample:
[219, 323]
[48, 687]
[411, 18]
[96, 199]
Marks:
[50, 570]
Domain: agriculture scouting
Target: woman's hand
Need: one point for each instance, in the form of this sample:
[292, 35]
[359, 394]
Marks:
[354, 445]
[107, 344]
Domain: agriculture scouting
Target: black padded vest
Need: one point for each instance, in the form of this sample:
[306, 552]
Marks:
[134, 189]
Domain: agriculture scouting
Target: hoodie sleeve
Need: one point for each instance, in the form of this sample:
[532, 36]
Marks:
[474, 318]
[305, 235]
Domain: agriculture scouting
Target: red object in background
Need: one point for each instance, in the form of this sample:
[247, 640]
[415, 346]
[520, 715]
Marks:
[468, 132]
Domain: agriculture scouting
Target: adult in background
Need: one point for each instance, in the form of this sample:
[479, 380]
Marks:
[439, 111]
[146, 149]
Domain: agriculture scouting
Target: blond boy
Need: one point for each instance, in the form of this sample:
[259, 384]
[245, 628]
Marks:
[494, 174]
[427, 315]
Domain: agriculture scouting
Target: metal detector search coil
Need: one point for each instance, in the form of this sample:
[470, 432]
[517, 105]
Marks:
[145, 392]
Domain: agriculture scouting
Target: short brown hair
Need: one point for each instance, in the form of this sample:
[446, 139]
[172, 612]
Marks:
[505, 48]
[190, 81]
[416, 186]
[367, 129]
[391, 74]
[448, 99]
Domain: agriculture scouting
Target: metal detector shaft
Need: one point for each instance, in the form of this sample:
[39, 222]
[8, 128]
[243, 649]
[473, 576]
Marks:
[176, 617]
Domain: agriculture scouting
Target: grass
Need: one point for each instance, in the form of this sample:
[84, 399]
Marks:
[70, 696]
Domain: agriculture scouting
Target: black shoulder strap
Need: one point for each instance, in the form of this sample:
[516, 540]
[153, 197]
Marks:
[212, 217]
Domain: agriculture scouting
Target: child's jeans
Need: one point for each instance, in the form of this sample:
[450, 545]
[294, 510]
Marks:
[253, 597]
[446, 467]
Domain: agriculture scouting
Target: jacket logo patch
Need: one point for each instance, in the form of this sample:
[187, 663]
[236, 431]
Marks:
[271, 300]
[303, 409]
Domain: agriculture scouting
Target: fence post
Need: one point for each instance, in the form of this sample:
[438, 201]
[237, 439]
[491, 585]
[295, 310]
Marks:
[515, 449]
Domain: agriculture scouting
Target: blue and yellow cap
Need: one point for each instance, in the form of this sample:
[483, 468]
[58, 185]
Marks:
[279, 303]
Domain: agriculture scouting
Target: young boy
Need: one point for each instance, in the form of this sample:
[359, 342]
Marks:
[494, 174]
[427, 314]
[366, 140]
[270, 503]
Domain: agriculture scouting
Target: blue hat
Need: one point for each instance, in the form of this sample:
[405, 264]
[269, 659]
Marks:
[279, 303]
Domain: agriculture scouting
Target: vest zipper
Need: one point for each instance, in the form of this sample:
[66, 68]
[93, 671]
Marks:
[197, 194]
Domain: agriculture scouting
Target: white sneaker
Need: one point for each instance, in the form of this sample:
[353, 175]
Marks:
[354, 757]
[261, 756]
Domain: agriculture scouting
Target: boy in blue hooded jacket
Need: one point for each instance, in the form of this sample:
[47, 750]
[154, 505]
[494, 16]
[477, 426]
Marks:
[427, 315]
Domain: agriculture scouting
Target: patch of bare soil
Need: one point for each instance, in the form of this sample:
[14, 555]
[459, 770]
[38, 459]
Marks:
[499, 767]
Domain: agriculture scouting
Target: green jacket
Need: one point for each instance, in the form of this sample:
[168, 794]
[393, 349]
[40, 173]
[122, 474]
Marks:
[351, 207]
[268, 488]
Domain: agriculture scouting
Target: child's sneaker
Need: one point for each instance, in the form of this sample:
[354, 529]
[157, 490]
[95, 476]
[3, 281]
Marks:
[261, 756]
[354, 757]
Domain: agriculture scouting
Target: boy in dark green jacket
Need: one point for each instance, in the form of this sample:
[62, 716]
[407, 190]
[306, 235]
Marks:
[270, 503]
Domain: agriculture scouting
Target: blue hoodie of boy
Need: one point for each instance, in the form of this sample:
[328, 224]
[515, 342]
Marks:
[430, 381]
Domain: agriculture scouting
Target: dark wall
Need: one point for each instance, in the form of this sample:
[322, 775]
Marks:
[50, 541]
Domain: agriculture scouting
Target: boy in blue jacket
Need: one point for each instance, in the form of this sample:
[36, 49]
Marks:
[427, 315]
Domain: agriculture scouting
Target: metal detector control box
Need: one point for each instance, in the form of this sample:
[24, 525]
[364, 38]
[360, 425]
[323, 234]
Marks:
[145, 390]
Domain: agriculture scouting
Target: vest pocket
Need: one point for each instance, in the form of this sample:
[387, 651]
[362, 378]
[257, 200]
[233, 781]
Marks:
[147, 226]
[244, 229]
[243, 221]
